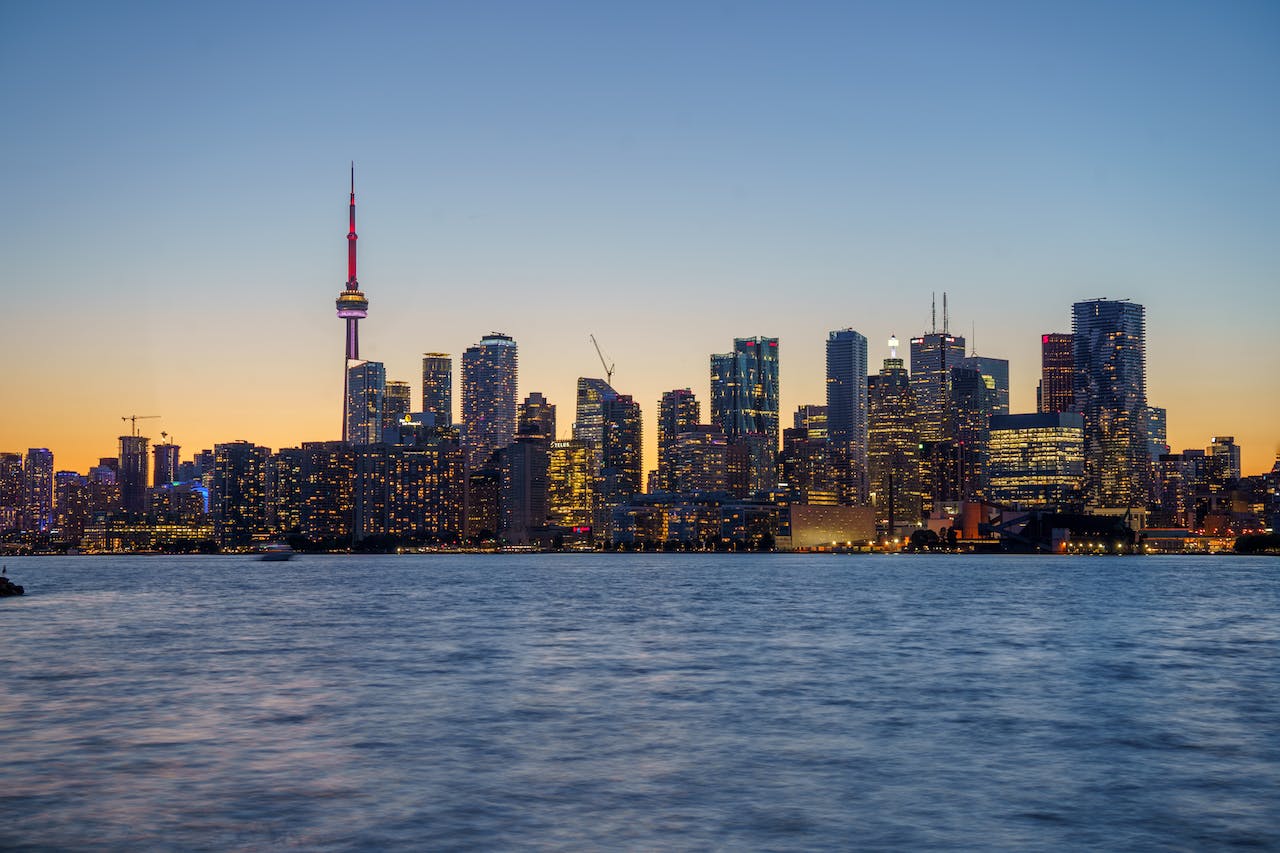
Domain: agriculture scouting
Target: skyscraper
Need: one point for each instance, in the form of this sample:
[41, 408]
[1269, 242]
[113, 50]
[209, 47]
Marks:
[893, 443]
[239, 494]
[744, 390]
[995, 375]
[132, 473]
[933, 357]
[38, 474]
[1157, 433]
[847, 413]
[678, 411]
[12, 491]
[366, 395]
[813, 419]
[588, 421]
[1110, 391]
[397, 402]
[620, 457]
[537, 416]
[1057, 369]
[352, 308]
[164, 469]
[489, 378]
[437, 387]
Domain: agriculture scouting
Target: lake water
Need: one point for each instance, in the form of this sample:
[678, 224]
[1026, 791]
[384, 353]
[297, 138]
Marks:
[762, 702]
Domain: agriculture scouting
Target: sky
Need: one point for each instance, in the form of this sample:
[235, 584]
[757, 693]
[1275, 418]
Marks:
[665, 176]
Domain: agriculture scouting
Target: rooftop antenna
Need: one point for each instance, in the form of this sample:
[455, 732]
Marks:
[933, 314]
[893, 346]
[946, 322]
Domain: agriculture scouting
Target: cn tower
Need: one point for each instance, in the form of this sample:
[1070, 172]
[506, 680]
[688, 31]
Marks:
[352, 306]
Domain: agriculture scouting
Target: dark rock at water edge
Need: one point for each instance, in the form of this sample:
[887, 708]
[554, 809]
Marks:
[8, 587]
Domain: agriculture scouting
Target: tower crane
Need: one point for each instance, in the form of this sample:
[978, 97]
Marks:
[133, 421]
[608, 368]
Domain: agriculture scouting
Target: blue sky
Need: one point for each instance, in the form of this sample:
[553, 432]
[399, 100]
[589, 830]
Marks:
[665, 176]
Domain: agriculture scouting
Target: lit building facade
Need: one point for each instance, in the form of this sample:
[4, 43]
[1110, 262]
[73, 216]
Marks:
[698, 460]
[239, 495]
[1036, 461]
[805, 468]
[537, 416]
[70, 504]
[490, 371]
[366, 398]
[38, 487]
[1057, 373]
[620, 455]
[813, 419]
[1110, 391]
[893, 444]
[847, 413]
[12, 491]
[995, 375]
[744, 390]
[164, 467]
[572, 480]
[933, 357]
[397, 403]
[437, 387]
[678, 412]
[131, 473]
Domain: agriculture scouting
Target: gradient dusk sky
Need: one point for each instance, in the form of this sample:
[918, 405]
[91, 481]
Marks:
[666, 176]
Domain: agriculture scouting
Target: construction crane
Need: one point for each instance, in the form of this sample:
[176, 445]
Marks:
[608, 368]
[133, 421]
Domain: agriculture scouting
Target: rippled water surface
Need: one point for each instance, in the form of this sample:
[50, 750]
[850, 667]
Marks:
[640, 702]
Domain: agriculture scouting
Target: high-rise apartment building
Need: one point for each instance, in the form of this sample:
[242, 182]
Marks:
[523, 489]
[437, 387]
[620, 455]
[366, 398]
[397, 403]
[239, 494]
[12, 491]
[1110, 391]
[744, 390]
[70, 504]
[847, 413]
[678, 412]
[164, 464]
[131, 473]
[1157, 433]
[1036, 461]
[805, 469]
[893, 442]
[489, 377]
[698, 460]
[588, 421]
[38, 481]
[1224, 459]
[1057, 373]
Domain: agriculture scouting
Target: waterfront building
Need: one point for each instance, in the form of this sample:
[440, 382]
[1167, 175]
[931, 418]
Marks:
[893, 446]
[483, 493]
[366, 398]
[397, 403]
[164, 467]
[744, 390]
[847, 413]
[1110, 391]
[285, 480]
[489, 377]
[104, 488]
[537, 416]
[572, 481]
[131, 473]
[1057, 372]
[239, 494]
[1036, 461]
[1175, 487]
[968, 417]
[328, 492]
[437, 387]
[678, 412]
[37, 476]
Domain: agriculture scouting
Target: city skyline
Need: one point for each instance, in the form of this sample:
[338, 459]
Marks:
[552, 220]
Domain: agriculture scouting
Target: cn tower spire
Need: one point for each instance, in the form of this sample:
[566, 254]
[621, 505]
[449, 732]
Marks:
[351, 303]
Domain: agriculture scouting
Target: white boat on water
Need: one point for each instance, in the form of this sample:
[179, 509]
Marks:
[275, 552]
